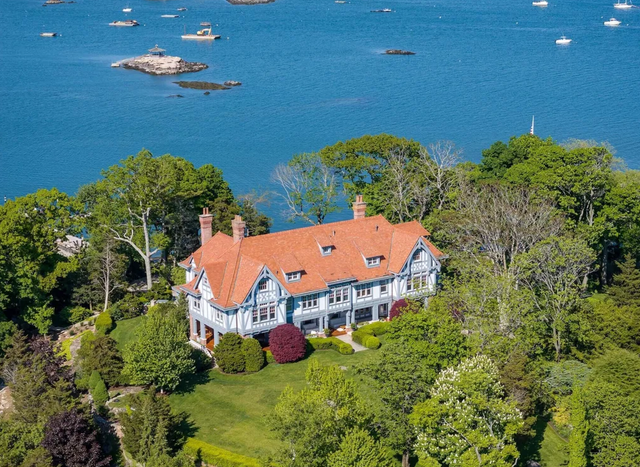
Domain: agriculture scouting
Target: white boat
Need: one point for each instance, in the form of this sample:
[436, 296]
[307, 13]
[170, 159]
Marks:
[340, 1]
[384, 10]
[48, 34]
[182, 9]
[563, 41]
[623, 6]
[169, 16]
[127, 10]
[202, 35]
[205, 24]
[541, 3]
[612, 22]
[115, 65]
[125, 24]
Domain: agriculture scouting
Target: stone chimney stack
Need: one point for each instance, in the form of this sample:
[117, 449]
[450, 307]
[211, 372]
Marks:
[359, 208]
[205, 225]
[238, 227]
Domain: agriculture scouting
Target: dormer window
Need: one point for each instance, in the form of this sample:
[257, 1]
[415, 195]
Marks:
[263, 285]
[326, 250]
[417, 256]
[293, 276]
[373, 262]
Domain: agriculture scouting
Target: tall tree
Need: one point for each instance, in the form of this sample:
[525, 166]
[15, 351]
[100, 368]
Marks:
[359, 449]
[626, 284]
[467, 422]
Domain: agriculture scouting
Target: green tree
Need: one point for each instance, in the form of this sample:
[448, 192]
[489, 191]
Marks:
[228, 353]
[18, 440]
[359, 449]
[253, 355]
[626, 284]
[160, 354]
[311, 423]
[580, 431]
[467, 421]
[500, 156]
[101, 354]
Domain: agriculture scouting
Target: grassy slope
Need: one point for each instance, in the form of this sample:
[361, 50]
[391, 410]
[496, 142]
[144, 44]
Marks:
[229, 411]
[124, 331]
[553, 449]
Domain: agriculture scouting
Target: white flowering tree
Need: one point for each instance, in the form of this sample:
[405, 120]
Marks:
[467, 422]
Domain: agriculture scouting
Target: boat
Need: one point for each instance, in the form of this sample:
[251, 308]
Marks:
[169, 16]
[533, 121]
[612, 22]
[127, 10]
[340, 1]
[182, 9]
[115, 65]
[53, 2]
[384, 10]
[125, 23]
[205, 24]
[48, 34]
[563, 41]
[541, 3]
[202, 35]
[623, 6]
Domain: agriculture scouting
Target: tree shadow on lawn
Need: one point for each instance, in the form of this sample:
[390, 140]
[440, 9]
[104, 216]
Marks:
[189, 383]
[530, 447]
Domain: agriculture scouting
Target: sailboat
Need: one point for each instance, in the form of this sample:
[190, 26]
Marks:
[533, 120]
[127, 9]
[623, 6]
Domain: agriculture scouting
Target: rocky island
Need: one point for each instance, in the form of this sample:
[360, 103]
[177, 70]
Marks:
[249, 2]
[399, 52]
[156, 63]
[202, 85]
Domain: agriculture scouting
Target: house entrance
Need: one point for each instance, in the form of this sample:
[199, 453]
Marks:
[383, 310]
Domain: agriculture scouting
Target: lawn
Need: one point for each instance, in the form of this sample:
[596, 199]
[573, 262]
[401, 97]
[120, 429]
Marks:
[553, 450]
[125, 330]
[229, 411]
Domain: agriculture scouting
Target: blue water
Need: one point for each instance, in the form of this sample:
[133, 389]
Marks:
[312, 74]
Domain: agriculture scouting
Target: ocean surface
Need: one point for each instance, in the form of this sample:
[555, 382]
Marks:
[313, 73]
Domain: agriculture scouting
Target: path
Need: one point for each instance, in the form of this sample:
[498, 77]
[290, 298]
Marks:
[356, 347]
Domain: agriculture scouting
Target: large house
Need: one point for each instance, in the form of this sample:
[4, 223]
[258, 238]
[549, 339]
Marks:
[317, 277]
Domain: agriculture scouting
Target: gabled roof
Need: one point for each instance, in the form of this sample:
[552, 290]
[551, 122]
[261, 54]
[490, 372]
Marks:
[232, 268]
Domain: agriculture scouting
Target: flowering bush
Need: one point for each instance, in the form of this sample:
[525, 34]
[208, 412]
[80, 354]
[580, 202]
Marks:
[287, 343]
[397, 308]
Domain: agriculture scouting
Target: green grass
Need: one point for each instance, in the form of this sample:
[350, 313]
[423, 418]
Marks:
[229, 411]
[65, 346]
[553, 449]
[125, 331]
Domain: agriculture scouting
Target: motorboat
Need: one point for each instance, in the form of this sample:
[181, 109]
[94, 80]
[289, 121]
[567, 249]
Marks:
[127, 10]
[541, 3]
[169, 16]
[125, 24]
[182, 9]
[612, 22]
[340, 1]
[202, 35]
[48, 34]
[384, 10]
[563, 41]
[623, 6]
[205, 24]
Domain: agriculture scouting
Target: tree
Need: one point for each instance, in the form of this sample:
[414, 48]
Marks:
[419, 344]
[580, 431]
[287, 343]
[626, 284]
[500, 157]
[71, 441]
[228, 353]
[100, 396]
[397, 308]
[309, 188]
[311, 423]
[359, 449]
[553, 269]
[253, 355]
[151, 429]
[107, 268]
[101, 354]
[31, 268]
[466, 421]
[160, 355]
[18, 440]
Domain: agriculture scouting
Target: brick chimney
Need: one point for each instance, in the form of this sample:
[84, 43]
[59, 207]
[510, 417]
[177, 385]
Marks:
[359, 208]
[205, 226]
[238, 226]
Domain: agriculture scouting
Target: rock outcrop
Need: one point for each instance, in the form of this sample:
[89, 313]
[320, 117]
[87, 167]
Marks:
[249, 2]
[399, 52]
[232, 83]
[162, 65]
[200, 85]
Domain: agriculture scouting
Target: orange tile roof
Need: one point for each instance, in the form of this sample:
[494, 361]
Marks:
[233, 268]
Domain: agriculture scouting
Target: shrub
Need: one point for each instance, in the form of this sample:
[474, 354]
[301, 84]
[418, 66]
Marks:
[104, 323]
[269, 357]
[333, 343]
[228, 353]
[219, 457]
[100, 396]
[202, 360]
[364, 338]
[327, 332]
[287, 343]
[131, 306]
[94, 379]
[376, 329]
[253, 355]
[371, 342]
[397, 308]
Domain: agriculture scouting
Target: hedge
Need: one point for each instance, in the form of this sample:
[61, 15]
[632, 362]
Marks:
[104, 323]
[365, 339]
[219, 457]
[253, 355]
[375, 329]
[333, 343]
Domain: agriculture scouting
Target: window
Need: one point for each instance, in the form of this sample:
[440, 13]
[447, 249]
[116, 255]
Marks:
[340, 295]
[264, 312]
[326, 250]
[373, 262]
[293, 276]
[205, 281]
[263, 285]
[196, 304]
[310, 301]
[255, 315]
[384, 287]
[272, 311]
[363, 291]
[419, 281]
[219, 315]
[417, 256]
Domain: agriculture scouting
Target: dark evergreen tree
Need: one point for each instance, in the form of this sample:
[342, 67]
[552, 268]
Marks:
[626, 284]
[102, 355]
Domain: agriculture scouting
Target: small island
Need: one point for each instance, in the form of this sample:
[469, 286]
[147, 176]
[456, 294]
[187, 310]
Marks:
[202, 85]
[249, 2]
[398, 52]
[157, 63]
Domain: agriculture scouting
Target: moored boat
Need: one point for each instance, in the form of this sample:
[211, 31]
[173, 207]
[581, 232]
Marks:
[384, 10]
[612, 22]
[623, 6]
[169, 16]
[541, 3]
[205, 24]
[48, 34]
[125, 23]
[127, 10]
[182, 9]
[202, 35]
[563, 41]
